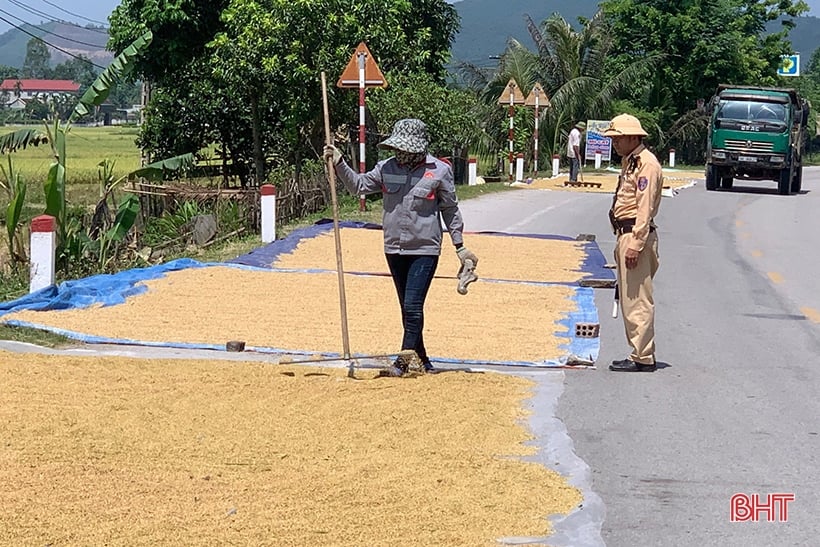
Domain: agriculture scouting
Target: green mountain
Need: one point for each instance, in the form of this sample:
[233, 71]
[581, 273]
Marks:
[486, 25]
[67, 38]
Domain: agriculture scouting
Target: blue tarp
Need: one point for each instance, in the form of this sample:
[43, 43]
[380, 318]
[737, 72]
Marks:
[105, 289]
[264, 257]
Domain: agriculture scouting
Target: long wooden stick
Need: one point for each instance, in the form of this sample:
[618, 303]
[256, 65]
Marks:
[331, 173]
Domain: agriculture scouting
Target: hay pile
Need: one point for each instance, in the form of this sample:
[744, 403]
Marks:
[495, 322]
[672, 178]
[104, 451]
[299, 312]
[514, 258]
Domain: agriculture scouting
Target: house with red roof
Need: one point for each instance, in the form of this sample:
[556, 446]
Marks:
[14, 92]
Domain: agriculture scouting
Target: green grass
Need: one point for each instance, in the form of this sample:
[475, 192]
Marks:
[14, 284]
[34, 336]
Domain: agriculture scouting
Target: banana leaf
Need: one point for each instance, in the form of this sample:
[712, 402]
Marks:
[121, 66]
[125, 219]
[22, 139]
[15, 210]
[158, 169]
[54, 190]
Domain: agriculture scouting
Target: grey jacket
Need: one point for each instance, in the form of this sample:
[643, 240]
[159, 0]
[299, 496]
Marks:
[413, 201]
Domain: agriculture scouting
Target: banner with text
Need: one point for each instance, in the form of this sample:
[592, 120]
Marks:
[596, 142]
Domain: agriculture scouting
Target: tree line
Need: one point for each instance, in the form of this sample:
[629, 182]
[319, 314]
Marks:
[242, 76]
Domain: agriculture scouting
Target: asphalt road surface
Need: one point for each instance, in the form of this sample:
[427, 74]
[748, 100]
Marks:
[735, 406]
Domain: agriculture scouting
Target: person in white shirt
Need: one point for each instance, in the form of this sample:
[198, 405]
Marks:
[574, 150]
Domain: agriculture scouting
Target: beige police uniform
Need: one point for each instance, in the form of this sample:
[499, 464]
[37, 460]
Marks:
[634, 208]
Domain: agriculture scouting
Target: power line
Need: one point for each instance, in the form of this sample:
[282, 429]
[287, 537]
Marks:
[52, 18]
[75, 14]
[21, 29]
[52, 33]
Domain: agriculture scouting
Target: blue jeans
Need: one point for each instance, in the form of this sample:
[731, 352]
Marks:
[412, 276]
[574, 167]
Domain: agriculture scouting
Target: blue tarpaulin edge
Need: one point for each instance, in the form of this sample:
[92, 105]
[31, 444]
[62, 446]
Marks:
[105, 289]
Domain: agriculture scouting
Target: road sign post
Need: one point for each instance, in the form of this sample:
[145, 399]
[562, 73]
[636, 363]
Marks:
[537, 98]
[362, 72]
[511, 96]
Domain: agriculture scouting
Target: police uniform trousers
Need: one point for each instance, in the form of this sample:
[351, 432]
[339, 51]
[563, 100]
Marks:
[636, 297]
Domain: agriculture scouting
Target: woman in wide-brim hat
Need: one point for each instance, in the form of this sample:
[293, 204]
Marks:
[417, 189]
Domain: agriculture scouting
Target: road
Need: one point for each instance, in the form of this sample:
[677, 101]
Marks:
[735, 406]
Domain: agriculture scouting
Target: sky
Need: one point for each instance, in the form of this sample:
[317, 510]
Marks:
[98, 10]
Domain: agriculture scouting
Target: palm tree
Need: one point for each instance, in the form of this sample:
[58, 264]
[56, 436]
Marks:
[571, 66]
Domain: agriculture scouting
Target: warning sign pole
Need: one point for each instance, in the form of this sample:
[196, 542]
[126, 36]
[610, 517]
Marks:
[512, 96]
[362, 57]
[511, 131]
[537, 98]
[362, 72]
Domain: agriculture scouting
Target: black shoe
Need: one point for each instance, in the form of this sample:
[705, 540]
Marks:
[628, 365]
[429, 368]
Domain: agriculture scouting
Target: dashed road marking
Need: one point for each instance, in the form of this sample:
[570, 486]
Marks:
[775, 277]
[811, 314]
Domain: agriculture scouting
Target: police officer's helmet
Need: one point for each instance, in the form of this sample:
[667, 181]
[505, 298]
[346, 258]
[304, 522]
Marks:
[624, 124]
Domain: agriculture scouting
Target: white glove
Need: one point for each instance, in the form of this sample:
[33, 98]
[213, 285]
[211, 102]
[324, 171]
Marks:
[331, 152]
[464, 254]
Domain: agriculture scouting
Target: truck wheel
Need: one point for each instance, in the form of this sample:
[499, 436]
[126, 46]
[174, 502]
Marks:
[784, 182]
[797, 181]
[711, 178]
[726, 182]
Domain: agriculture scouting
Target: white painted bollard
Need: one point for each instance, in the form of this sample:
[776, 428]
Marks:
[671, 157]
[43, 252]
[519, 168]
[268, 207]
[556, 164]
[472, 171]
[597, 160]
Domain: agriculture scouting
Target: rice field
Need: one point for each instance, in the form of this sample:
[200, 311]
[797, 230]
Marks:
[86, 147]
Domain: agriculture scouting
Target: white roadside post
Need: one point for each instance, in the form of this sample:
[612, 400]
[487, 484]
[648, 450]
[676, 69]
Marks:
[556, 164]
[671, 157]
[597, 160]
[519, 167]
[268, 208]
[43, 252]
[472, 171]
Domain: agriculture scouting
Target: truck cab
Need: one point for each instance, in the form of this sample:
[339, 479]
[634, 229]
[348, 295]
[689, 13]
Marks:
[756, 133]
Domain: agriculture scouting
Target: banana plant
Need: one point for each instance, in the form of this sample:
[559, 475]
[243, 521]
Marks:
[123, 222]
[15, 187]
[120, 67]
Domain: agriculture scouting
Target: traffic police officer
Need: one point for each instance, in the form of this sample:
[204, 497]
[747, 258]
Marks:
[632, 215]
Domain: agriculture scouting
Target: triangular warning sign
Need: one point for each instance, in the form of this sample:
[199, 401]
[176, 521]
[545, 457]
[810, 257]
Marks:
[537, 93]
[373, 77]
[511, 89]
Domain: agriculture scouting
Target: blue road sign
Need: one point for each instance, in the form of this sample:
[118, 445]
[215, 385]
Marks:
[789, 65]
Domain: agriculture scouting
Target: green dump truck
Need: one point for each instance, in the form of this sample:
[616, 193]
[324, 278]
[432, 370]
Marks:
[756, 133]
